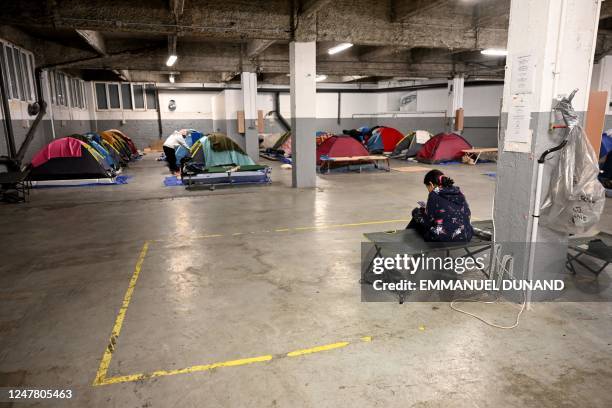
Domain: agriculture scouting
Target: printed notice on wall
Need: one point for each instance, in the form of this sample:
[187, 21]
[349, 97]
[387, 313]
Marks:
[523, 73]
[518, 134]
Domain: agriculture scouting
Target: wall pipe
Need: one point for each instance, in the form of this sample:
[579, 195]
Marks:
[39, 105]
[329, 90]
[276, 110]
[159, 118]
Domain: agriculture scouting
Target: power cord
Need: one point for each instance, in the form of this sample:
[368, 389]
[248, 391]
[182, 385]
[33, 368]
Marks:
[506, 265]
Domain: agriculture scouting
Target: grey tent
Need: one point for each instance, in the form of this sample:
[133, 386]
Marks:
[409, 146]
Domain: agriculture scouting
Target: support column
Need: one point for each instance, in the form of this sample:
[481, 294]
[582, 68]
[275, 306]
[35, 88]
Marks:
[602, 80]
[249, 104]
[302, 60]
[455, 99]
[551, 44]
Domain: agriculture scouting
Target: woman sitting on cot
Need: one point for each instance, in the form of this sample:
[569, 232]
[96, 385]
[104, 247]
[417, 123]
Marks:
[446, 216]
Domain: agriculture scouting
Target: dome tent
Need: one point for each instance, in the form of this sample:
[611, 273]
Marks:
[383, 140]
[410, 145]
[340, 146]
[443, 147]
[69, 159]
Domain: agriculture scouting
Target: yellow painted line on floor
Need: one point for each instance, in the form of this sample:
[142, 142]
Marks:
[318, 349]
[291, 229]
[353, 224]
[110, 348]
[224, 364]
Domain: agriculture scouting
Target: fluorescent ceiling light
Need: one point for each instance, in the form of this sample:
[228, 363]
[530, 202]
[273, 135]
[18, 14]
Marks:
[495, 52]
[171, 78]
[171, 60]
[321, 78]
[339, 48]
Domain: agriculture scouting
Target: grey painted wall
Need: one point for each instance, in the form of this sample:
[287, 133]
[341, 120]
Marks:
[146, 131]
[44, 133]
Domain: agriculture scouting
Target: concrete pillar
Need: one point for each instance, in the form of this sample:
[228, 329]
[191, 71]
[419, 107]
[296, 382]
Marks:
[455, 99]
[249, 105]
[551, 44]
[602, 80]
[302, 61]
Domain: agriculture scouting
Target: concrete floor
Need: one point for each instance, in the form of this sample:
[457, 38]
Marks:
[231, 274]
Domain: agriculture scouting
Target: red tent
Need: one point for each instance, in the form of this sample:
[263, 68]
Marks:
[390, 137]
[340, 146]
[64, 147]
[442, 147]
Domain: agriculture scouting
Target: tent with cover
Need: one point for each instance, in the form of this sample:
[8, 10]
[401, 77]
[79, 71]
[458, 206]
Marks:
[108, 159]
[127, 140]
[443, 147]
[192, 137]
[410, 145]
[340, 146]
[383, 140]
[69, 158]
[217, 159]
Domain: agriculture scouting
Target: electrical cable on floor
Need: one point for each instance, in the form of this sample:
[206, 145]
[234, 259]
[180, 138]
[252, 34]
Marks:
[503, 266]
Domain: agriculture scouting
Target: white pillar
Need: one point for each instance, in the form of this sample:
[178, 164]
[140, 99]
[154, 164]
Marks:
[249, 105]
[302, 60]
[551, 44]
[455, 100]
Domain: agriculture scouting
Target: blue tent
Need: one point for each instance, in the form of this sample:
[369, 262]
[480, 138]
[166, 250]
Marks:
[375, 143]
[606, 144]
[192, 137]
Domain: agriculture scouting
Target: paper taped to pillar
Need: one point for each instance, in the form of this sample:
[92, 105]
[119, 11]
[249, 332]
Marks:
[518, 132]
[576, 198]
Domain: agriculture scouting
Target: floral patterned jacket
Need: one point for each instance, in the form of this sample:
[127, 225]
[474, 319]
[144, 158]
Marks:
[446, 217]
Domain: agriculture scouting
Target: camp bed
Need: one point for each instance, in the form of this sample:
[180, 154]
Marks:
[408, 241]
[474, 154]
[598, 247]
[327, 162]
[228, 175]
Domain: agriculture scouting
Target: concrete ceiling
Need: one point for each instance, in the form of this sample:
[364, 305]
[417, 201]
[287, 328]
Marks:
[215, 39]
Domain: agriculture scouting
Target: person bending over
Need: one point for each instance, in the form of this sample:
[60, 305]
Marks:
[176, 139]
[446, 215]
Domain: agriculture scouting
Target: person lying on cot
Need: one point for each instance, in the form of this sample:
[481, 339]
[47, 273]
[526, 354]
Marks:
[446, 215]
[176, 139]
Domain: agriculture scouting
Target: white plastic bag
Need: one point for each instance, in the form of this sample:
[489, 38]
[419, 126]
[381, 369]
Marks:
[576, 198]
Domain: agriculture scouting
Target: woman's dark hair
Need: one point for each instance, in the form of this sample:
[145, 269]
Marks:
[437, 178]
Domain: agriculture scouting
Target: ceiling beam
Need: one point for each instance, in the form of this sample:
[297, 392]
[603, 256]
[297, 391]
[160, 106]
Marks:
[382, 52]
[312, 7]
[270, 20]
[256, 47]
[405, 9]
[94, 39]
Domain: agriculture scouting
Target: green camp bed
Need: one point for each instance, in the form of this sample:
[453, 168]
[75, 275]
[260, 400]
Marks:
[598, 247]
[229, 175]
[411, 243]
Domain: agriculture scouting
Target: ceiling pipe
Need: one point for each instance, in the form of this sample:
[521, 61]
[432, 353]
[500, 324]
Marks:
[332, 90]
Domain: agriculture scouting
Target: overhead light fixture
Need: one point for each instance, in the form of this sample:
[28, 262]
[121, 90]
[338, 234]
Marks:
[495, 52]
[321, 78]
[339, 48]
[171, 60]
[171, 78]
